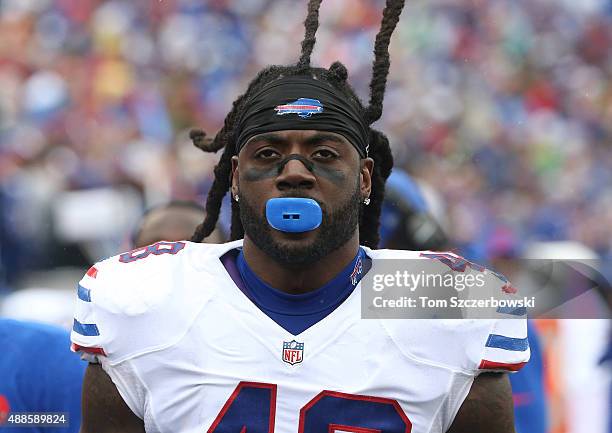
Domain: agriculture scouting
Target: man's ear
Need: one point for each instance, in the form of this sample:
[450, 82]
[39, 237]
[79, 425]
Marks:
[365, 176]
[234, 176]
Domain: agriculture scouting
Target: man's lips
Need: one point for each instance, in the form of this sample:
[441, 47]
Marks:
[301, 195]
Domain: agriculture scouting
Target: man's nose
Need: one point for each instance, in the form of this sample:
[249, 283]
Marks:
[295, 175]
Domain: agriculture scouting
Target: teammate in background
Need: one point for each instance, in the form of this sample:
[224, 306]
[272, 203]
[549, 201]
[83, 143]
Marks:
[38, 374]
[173, 221]
[264, 334]
[405, 221]
[530, 403]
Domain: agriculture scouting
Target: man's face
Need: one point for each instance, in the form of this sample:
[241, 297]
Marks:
[339, 181]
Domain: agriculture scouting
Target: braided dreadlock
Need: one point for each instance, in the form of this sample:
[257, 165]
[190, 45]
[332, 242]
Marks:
[336, 75]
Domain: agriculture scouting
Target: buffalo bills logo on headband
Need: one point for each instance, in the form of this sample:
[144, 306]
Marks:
[303, 107]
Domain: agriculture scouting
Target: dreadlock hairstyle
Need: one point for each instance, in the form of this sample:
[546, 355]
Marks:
[336, 75]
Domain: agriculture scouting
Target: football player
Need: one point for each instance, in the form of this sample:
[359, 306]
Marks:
[264, 333]
[406, 223]
[38, 374]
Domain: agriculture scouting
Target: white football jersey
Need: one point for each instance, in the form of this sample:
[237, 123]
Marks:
[189, 352]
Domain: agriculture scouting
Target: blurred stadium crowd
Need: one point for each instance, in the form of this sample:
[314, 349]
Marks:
[500, 109]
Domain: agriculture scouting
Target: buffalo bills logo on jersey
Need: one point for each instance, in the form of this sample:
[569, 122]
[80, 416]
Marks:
[357, 270]
[303, 107]
[293, 352]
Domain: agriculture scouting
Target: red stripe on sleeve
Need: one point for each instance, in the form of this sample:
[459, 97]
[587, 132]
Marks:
[93, 350]
[92, 272]
[485, 364]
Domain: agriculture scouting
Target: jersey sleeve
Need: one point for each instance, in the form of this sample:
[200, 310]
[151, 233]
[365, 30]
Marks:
[468, 339]
[504, 347]
[85, 336]
[136, 302]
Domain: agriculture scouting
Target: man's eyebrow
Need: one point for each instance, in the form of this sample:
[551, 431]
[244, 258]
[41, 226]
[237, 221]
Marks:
[277, 139]
[323, 137]
[270, 138]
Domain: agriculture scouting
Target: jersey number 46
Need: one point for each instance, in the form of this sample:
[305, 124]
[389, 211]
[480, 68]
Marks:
[252, 408]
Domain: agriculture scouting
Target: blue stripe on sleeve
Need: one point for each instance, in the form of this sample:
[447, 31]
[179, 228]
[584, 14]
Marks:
[87, 329]
[84, 294]
[507, 343]
[515, 311]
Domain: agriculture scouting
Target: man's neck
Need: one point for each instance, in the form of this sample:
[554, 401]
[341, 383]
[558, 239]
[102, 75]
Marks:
[303, 278]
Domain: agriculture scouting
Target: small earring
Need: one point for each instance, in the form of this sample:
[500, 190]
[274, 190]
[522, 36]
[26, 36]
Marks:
[366, 201]
[236, 198]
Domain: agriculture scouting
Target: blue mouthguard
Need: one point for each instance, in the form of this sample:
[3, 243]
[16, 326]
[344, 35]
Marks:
[293, 214]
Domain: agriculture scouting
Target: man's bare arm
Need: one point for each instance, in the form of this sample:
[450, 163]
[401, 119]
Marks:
[488, 407]
[104, 411]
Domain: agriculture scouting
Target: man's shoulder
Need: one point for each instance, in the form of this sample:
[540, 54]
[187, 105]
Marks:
[447, 259]
[467, 346]
[441, 263]
[152, 261]
[382, 254]
[144, 299]
[462, 334]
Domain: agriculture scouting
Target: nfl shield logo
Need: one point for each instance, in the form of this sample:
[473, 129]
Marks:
[293, 352]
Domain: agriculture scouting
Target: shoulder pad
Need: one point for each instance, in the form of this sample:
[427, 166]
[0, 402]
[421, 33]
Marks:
[483, 338]
[143, 300]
